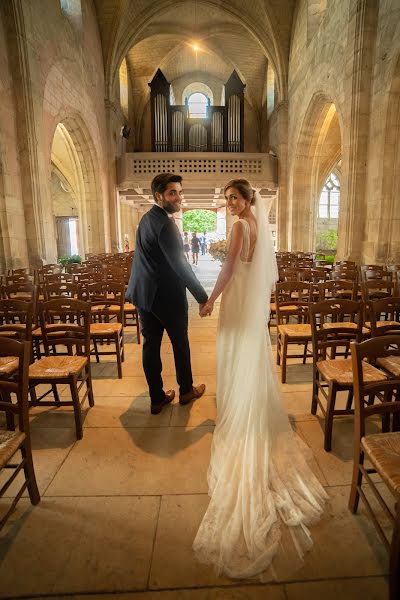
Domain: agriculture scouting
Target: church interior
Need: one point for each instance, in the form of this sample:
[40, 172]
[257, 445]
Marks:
[300, 97]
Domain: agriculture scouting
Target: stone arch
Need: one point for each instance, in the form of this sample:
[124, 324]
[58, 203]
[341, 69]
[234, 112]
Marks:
[388, 237]
[84, 175]
[318, 150]
[197, 86]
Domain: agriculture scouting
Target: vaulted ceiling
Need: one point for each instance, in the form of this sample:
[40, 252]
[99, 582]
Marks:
[232, 34]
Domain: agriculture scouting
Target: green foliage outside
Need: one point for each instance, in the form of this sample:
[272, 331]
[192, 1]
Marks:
[327, 240]
[67, 260]
[199, 220]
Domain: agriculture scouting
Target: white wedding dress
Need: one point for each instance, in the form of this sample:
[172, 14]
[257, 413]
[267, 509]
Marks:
[259, 480]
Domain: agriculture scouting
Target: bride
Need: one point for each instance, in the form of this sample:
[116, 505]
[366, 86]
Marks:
[259, 481]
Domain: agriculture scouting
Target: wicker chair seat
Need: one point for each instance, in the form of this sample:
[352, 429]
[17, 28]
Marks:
[382, 323]
[57, 367]
[390, 364]
[383, 451]
[105, 328]
[128, 307]
[10, 441]
[18, 326]
[37, 333]
[294, 330]
[8, 364]
[344, 325]
[341, 371]
[289, 307]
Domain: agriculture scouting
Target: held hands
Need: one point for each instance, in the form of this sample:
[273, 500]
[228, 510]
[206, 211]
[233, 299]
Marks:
[206, 309]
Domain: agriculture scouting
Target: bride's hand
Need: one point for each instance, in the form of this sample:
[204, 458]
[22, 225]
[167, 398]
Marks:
[206, 309]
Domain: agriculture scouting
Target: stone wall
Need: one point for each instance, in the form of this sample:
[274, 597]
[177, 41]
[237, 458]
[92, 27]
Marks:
[343, 91]
[57, 76]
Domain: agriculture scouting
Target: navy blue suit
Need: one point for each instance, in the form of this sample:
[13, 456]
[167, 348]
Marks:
[157, 286]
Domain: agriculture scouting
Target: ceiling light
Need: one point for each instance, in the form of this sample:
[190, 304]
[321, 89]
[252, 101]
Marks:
[195, 47]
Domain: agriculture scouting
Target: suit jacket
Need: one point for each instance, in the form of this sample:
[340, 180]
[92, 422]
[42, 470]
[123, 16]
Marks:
[160, 271]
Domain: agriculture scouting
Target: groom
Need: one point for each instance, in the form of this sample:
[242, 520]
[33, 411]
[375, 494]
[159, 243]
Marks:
[157, 286]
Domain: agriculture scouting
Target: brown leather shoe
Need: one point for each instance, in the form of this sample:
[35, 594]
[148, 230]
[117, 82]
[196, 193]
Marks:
[157, 408]
[196, 392]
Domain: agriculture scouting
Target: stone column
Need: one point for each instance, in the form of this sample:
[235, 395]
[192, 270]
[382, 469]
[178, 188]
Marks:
[279, 141]
[363, 18]
[221, 221]
[112, 126]
[178, 217]
[39, 223]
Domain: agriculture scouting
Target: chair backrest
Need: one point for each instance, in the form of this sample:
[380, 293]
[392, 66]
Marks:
[20, 291]
[337, 288]
[21, 271]
[16, 319]
[65, 322]
[384, 316]
[71, 267]
[14, 379]
[57, 277]
[347, 274]
[106, 298]
[289, 274]
[334, 324]
[374, 289]
[381, 274]
[88, 277]
[61, 290]
[294, 297]
[372, 351]
[18, 278]
[345, 263]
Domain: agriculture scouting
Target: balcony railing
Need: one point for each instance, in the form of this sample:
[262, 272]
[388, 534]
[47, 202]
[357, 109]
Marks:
[138, 169]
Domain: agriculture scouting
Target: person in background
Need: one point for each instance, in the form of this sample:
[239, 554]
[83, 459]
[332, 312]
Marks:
[186, 245]
[203, 243]
[195, 248]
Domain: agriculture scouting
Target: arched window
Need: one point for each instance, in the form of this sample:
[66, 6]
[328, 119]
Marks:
[198, 103]
[123, 88]
[328, 216]
[73, 10]
[329, 199]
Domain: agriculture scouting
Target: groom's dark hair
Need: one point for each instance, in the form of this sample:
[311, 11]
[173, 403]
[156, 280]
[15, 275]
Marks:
[160, 182]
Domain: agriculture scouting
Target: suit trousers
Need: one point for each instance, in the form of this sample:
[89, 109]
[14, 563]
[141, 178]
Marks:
[153, 325]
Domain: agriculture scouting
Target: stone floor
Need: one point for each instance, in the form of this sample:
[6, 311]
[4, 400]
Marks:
[120, 508]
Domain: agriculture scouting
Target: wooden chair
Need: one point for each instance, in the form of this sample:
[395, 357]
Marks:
[292, 304]
[20, 291]
[384, 316]
[344, 263]
[16, 319]
[21, 271]
[289, 274]
[58, 278]
[65, 323]
[337, 288]
[375, 289]
[61, 290]
[382, 450]
[14, 365]
[71, 267]
[18, 278]
[107, 301]
[334, 324]
[381, 274]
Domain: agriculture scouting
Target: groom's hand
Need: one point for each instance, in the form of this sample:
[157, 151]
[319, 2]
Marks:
[206, 309]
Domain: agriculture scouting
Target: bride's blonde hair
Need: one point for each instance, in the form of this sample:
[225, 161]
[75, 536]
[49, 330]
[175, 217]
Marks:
[244, 187]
